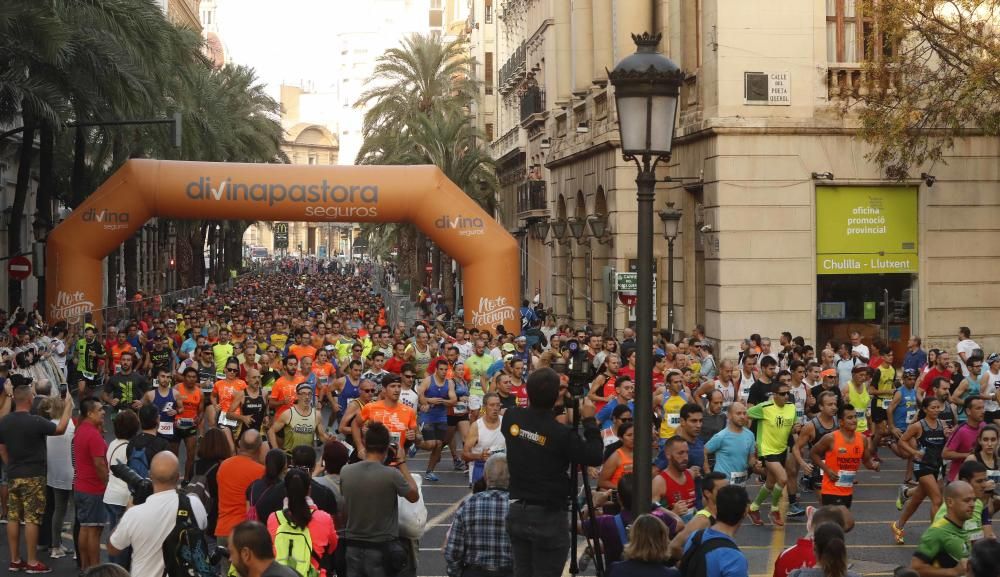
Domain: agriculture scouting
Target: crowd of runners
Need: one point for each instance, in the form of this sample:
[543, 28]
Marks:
[310, 366]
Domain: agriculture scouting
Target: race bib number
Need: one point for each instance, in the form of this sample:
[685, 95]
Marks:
[845, 478]
[608, 436]
[994, 476]
[911, 415]
[738, 478]
[475, 403]
[885, 403]
[227, 422]
[185, 423]
[166, 428]
[394, 438]
[744, 395]
[90, 376]
[973, 530]
[461, 408]
[800, 416]
[673, 420]
[862, 423]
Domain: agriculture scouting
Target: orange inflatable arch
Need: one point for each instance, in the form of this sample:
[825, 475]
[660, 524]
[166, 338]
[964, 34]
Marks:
[422, 195]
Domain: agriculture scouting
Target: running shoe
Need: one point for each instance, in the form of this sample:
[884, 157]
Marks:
[755, 517]
[16, 566]
[585, 559]
[412, 451]
[37, 568]
[460, 465]
[431, 477]
[776, 519]
[57, 552]
[897, 533]
[900, 497]
[796, 510]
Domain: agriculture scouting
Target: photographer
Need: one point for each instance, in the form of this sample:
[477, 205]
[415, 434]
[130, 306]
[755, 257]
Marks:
[540, 451]
[145, 538]
[370, 489]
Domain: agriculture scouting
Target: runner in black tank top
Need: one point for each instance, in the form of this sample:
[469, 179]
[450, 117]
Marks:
[254, 407]
[827, 405]
[923, 441]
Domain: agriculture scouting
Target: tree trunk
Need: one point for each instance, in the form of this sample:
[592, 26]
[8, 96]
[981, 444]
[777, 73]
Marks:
[436, 274]
[404, 256]
[212, 251]
[131, 255]
[419, 278]
[448, 282]
[43, 198]
[77, 184]
[17, 216]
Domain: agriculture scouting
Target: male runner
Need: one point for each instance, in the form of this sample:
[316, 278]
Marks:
[125, 389]
[902, 413]
[734, 447]
[397, 417]
[188, 395]
[816, 428]
[775, 421]
[304, 422]
[839, 455]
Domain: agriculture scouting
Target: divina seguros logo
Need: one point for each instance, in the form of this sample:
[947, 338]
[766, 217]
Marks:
[109, 219]
[325, 196]
[466, 226]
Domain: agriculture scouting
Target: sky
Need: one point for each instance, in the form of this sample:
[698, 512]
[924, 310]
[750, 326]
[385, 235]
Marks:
[287, 41]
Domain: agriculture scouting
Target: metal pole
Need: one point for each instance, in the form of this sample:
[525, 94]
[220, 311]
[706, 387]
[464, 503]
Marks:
[643, 466]
[670, 287]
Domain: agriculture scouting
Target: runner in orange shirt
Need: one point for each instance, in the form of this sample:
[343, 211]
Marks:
[397, 417]
[222, 394]
[325, 372]
[283, 390]
[188, 395]
[302, 348]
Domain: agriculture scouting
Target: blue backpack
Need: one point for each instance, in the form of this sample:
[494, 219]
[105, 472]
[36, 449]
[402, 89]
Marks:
[138, 461]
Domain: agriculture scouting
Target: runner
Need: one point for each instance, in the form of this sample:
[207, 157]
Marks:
[188, 422]
[776, 419]
[222, 396]
[924, 442]
[88, 353]
[437, 393]
[165, 400]
[734, 447]
[859, 396]
[304, 423]
[670, 403]
[882, 389]
[485, 438]
[815, 429]
[903, 410]
[397, 417]
[990, 384]
[839, 455]
[249, 405]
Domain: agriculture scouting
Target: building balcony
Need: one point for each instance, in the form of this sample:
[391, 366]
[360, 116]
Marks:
[531, 199]
[533, 102]
[852, 81]
[509, 142]
[513, 71]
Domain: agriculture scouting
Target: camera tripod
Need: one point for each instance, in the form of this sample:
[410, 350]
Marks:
[578, 473]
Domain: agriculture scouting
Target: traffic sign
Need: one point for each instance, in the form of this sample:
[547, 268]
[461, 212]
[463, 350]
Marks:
[19, 268]
[628, 299]
[429, 267]
[626, 282]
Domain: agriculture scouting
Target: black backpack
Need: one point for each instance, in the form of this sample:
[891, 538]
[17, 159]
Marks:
[185, 551]
[694, 563]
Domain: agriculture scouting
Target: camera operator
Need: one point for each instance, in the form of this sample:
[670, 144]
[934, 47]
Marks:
[540, 452]
[135, 529]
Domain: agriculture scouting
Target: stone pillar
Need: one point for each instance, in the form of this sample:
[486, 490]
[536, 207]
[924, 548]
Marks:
[602, 41]
[564, 50]
[630, 17]
[583, 49]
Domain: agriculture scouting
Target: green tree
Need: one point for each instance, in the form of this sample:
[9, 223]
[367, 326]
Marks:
[419, 99]
[936, 77]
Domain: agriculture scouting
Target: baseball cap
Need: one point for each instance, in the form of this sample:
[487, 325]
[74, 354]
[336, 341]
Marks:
[994, 357]
[911, 373]
[859, 368]
[521, 338]
[303, 386]
[508, 348]
[828, 373]
[508, 358]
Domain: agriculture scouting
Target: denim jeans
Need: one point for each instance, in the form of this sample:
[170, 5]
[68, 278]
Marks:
[539, 539]
[115, 513]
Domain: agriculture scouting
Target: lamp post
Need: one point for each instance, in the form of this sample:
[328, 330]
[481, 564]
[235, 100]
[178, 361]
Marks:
[671, 223]
[40, 227]
[647, 85]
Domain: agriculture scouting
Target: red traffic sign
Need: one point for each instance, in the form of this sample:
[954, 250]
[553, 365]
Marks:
[19, 268]
[429, 268]
[628, 299]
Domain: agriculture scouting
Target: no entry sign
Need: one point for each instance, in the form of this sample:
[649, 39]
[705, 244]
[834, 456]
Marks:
[19, 268]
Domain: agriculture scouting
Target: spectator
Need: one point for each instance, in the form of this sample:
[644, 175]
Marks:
[106, 570]
[147, 538]
[370, 489]
[275, 466]
[213, 449]
[984, 559]
[612, 529]
[335, 456]
[803, 553]
[23, 442]
[234, 476]
[116, 495]
[831, 554]
[89, 456]
[477, 543]
[944, 546]
[252, 554]
[59, 457]
[299, 513]
[147, 440]
[646, 552]
[725, 561]
[303, 458]
[704, 518]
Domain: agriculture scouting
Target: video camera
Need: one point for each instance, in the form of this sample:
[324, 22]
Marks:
[140, 487]
[578, 368]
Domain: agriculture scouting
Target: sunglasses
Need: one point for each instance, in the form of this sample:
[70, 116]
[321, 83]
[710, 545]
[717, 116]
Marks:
[369, 391]
[232, 370]
[625, 420]
[409, 376]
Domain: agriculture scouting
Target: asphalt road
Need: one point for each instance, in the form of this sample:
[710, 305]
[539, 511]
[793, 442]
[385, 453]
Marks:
[870, 545]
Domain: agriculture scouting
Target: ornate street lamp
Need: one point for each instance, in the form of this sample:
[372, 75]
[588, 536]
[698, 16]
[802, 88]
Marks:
[559, 229]
[647, 85]
[671, 224]
[540, 228]
[599, 228]
[577, 227]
